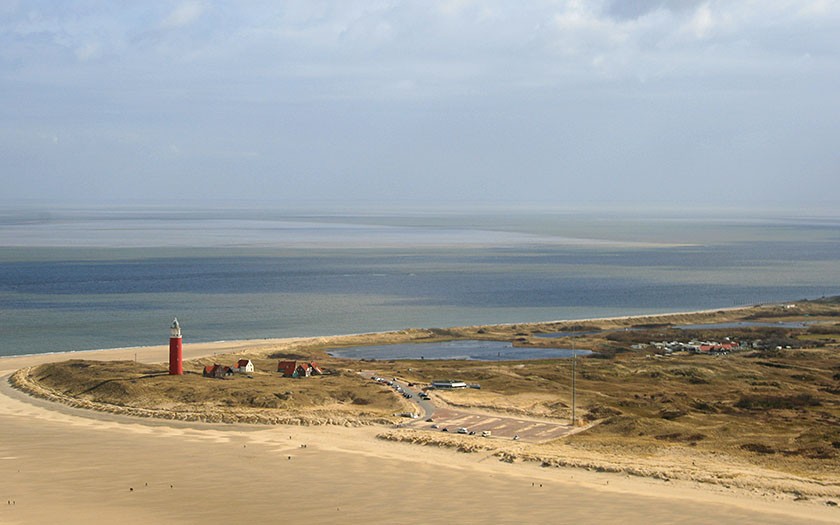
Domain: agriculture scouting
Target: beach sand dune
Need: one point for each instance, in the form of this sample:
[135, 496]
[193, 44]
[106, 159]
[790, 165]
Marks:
[60, 465]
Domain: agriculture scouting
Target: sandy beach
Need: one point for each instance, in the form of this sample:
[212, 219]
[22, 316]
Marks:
[65, 465]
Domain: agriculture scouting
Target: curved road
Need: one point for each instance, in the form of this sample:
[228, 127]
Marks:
[532, 430]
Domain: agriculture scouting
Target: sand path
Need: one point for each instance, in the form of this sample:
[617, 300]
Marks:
[63, 465]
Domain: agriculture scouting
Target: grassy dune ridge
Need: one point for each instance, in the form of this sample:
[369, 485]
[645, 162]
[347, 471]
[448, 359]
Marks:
[773, 410]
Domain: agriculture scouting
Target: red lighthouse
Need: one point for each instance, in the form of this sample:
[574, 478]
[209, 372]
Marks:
[176, 358]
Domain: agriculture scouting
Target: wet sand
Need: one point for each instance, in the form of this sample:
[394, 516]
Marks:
[63, 465]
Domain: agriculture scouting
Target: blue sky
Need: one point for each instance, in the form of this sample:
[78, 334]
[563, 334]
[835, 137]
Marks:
[547, 102]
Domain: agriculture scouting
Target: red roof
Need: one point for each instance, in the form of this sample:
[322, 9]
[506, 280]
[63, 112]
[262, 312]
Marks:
[216, 370]
[243, 363]
[718, 347]
[290, 367]
[287, 367]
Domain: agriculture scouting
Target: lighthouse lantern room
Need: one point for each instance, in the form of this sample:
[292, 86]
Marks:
[176, 358]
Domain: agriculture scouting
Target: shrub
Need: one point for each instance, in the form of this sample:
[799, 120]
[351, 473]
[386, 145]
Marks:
[758, 448]
[763, 402]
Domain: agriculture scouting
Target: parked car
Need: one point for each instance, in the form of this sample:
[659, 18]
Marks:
[463, 430]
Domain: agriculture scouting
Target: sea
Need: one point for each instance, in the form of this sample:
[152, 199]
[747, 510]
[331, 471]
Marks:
[90, 278]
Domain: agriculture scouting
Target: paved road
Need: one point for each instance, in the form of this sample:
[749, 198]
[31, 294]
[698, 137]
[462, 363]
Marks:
[500, 426]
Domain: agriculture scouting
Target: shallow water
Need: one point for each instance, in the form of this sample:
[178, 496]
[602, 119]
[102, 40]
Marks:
[471, 350]
[82, 280]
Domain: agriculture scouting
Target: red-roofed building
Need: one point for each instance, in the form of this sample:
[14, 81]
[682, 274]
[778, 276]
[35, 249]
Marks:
[217, 371]
[295, 369]
[287, 368]
[716, 348]
[243, 366]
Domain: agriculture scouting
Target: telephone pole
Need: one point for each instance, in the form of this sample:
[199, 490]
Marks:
[574, 366]
[574, 374]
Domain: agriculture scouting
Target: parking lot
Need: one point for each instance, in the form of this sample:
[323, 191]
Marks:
[528, 430]
[499, 426]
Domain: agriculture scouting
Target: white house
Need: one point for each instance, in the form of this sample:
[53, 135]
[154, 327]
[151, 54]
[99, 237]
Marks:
[244, 366]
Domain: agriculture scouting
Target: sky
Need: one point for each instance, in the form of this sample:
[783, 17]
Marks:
[553, 102]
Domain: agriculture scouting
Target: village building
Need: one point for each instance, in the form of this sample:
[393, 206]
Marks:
[298, 369]
[218, 371]
[697, 347]
[717, 348]
[244, 366]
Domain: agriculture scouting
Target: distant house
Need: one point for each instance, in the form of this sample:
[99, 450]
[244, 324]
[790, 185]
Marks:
[244, 366]
[217, 371]
[298, 369]
[717, 348]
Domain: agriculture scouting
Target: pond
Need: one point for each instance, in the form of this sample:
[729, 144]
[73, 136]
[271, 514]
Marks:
[470, 350]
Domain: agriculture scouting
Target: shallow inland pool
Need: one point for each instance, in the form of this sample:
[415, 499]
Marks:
[471, 350]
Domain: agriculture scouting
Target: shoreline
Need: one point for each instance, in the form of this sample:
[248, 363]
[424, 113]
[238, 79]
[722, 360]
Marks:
[359, 467]
[279, 340]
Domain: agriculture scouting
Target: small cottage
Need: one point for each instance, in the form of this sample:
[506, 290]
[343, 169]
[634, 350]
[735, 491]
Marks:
[244, 366]
[296, 369]
[218, 371]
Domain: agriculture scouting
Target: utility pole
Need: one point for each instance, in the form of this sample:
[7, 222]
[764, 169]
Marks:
[574, 374]
[574, 366]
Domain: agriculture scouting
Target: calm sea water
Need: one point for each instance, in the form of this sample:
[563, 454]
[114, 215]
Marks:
[75, 280]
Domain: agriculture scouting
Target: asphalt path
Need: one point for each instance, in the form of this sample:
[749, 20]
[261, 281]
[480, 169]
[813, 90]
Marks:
[500, 426]
[425, 409]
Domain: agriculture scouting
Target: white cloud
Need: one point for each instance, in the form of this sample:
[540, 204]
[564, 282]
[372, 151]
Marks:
[183, 15]
[88, 51]
[701, 23]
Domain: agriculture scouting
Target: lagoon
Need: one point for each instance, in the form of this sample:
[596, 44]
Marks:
[469, 350]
